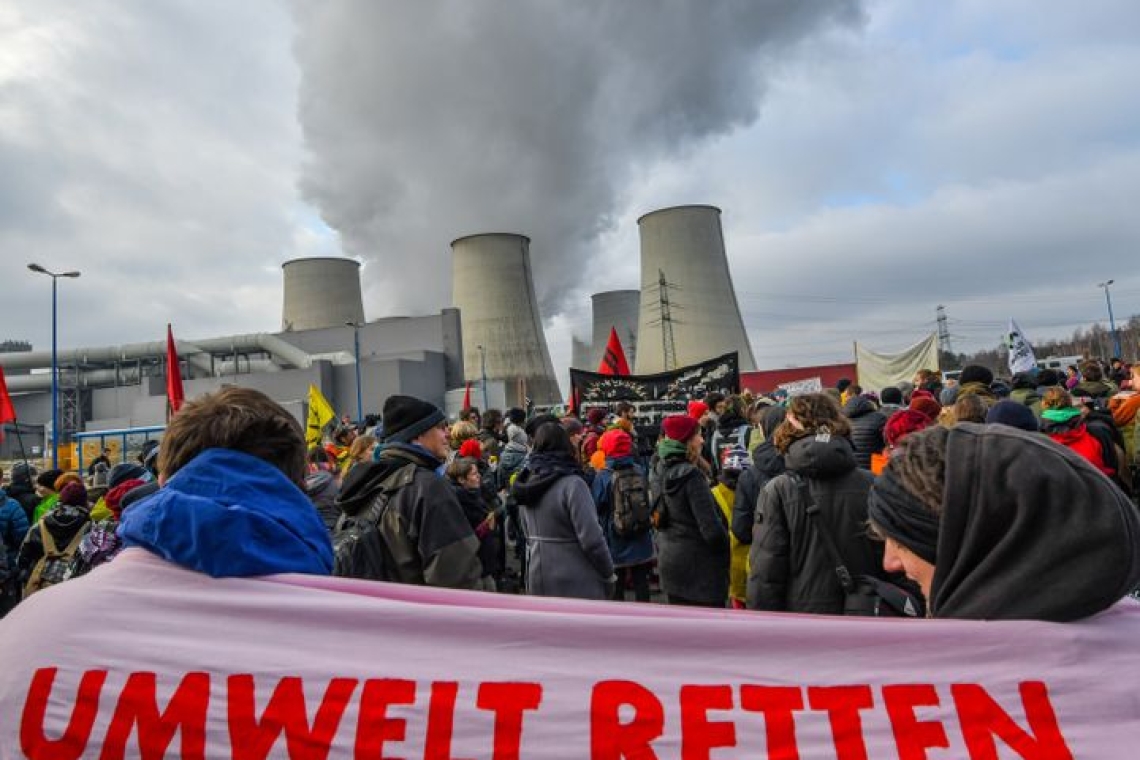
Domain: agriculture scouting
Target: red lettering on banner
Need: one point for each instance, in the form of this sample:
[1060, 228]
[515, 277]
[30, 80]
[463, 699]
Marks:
[699, 735]
[842, 704]
[610, 739]
[71, 745]
[508, 701]
[913, 736]
[374, 727]
[779, 704]
[252, 739]
[982, 719]
[440, 721]
[138, 706]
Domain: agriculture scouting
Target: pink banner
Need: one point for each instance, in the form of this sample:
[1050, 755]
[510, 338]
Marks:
[144, 659]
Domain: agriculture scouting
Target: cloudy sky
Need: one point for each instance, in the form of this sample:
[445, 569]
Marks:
[872, 160]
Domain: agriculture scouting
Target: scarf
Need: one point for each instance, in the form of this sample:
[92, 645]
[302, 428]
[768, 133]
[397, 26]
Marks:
[902, 517]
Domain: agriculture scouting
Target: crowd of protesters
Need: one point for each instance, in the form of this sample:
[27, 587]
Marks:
[744, 501]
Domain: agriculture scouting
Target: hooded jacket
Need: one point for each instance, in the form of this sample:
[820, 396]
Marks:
[322, 488]
[424, 528]
[230, 514]
[692, 542]
[767, 463]
[566, 552]
[790, 567]
[1029, 531]
[867, 424]
[13, 529]
[626, 551]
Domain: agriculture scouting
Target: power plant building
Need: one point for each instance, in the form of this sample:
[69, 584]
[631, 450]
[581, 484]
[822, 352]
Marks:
[321, 292]
[503, 338]
[618, 310]
[688, 311]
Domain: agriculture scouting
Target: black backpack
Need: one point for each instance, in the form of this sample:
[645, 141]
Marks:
[633, 515]
[359, 548]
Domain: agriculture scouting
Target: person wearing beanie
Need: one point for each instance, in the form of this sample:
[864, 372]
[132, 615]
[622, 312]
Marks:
[692, 533]
[791, 569]
[1012, 413]
[632, 553]
[47, 554]
[902, 424]
[975, 379]
[767, 463]
[734, 462]
[471, 449]
[13, 528]
[22, 487]
[923, 402]
[890, 401]
[425, 529]
[47, 493]
[982, 517]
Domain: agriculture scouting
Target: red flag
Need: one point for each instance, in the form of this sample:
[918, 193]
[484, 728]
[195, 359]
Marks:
[7, 411]
[467, 396]
[613, 362]
[174, 393]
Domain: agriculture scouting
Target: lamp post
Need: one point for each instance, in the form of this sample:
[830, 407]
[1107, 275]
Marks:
[483, 375]
[1111, 320]
[356, 352]
[54, 362]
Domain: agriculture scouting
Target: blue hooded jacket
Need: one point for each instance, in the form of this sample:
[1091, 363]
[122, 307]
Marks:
[229, 514]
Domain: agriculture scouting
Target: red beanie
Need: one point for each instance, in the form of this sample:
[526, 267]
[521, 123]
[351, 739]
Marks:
[680, 427]
[114, 497]
[615, 443]
[73, 494]
[697, 409]
[596, 416]
[471, 448]
[904, 422]
[926, 405]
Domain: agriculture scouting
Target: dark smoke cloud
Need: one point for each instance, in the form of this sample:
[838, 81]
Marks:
[426, 121]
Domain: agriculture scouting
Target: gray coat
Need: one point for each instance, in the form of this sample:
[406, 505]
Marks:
[566, 551]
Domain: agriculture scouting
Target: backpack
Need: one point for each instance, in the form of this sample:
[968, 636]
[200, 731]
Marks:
[55, 566]
[359, 548]
[630, 497]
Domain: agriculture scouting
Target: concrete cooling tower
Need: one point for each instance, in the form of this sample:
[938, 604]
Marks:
[321, 292]
[580, 355]
[617, 309]
[493, 288]
[685, 246]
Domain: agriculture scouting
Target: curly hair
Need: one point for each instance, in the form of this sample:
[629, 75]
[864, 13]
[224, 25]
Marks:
[816, 412]
[919, 463]
[1056, 398]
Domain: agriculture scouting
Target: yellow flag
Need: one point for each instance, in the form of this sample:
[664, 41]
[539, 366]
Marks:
[320, 414]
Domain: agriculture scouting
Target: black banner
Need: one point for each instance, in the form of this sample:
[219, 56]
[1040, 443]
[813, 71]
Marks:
[655, 396]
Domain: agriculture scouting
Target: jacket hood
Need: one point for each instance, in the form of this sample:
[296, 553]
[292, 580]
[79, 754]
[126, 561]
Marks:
[364, 480]
[540, 474]
[318, 481]
[821, 457]
[229, 514]
[1048, 537]
[859, 406]
[730, 421]
[766, 459]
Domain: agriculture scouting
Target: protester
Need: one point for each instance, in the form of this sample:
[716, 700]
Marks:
[490, 434]
[102, 542]
[516, 419]
[1125, 408]
[423, 526]
[322, 486]
[1013, 413]
[734, 463]
[995, 523]
[767, 463]
[791, 568]
[1092, 384]
[13, 529]
[22, 487]
[970, 407]
[1065, 424]
[866, 428]
[975, 380]
[481, 514]
[566, 551]
[633, 551]
[693, 546]
[47, 492]
[890, 401]
[732, 431]
[46, 555]
[359, 452]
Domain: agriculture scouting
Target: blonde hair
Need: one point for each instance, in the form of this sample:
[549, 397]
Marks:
[462, 431]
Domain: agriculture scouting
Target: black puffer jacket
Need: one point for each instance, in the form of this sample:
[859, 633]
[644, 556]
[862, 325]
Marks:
[791, 569]
[767, 463]
[693, 547]
[866, 429]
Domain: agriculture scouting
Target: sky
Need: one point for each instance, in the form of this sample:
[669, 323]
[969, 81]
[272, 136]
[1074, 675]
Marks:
[872, 160]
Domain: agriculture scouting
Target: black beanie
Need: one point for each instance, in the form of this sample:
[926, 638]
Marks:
[975, 373]
[1012, 413]
[890, 395]
[407, 418]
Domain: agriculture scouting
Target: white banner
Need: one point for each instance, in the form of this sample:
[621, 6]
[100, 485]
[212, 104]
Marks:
[1021, 358]
[802, 387]
[877, 371]
[172, 663]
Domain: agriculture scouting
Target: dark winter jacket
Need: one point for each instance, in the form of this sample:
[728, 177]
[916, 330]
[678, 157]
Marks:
[767, 463]
[477, 508]
[64, 523]
[866, 429]
[790, 568]
[625, 550]
[1093, 389]
[13, 528]
[425, 532]
[567, 554]
[322, 488]
[25, 494]
[693, 546]
[731, 430]
[1029, 531]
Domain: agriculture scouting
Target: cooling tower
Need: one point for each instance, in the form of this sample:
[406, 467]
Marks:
[321, 292]
[493, 288]
[685, 244]
[580, 355]
[615, 309]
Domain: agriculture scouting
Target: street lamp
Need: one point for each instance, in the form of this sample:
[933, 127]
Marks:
[483, 374]
[54, 362]
[1111, 320]
[356, 352]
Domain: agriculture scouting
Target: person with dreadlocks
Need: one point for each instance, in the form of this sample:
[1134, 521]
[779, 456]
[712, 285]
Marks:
[997, 523]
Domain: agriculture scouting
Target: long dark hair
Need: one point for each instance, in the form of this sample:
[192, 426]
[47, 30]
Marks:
[551, 438]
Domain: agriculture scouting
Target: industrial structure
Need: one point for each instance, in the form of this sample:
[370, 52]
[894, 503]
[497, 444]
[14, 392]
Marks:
[618, 310]
[503, 339]
[688, 310]
[321, 292]
[580, 354]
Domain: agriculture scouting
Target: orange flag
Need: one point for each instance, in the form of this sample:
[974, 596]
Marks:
[613, 362]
